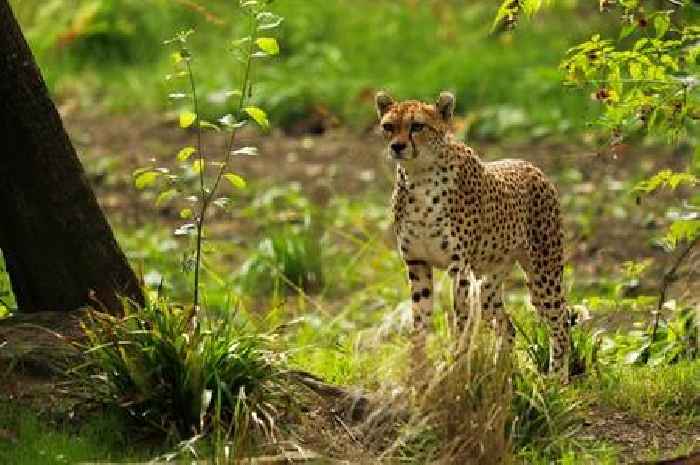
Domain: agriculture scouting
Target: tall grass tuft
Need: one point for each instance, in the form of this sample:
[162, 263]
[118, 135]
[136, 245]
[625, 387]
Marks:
[469, 402]
[181, 376]
[544, 417]
[456, 405]
[584, 352]
[289, 259]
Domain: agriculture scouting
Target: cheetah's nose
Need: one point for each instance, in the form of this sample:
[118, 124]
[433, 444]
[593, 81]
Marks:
[398, 147]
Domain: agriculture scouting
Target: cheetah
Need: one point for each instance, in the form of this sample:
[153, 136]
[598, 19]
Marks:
[453, 211]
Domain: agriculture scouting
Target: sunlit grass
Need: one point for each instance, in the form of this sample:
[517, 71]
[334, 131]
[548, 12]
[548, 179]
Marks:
[650, 392]
[30, 439]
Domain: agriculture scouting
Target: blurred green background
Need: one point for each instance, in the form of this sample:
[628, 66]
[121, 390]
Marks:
[334, 55]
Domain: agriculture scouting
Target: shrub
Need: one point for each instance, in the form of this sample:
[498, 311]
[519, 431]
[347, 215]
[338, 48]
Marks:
[183, 376]
[662, 342]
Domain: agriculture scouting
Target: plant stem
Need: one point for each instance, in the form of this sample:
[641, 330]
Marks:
[670, 275]
[202, 190]
[206, 197]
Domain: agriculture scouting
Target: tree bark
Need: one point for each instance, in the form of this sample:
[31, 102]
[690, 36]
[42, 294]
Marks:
[59, 249]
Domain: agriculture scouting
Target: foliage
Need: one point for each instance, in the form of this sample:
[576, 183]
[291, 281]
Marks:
[649, 86]
[181, 375]
[648, 83]
[323, 76]
[663, 342]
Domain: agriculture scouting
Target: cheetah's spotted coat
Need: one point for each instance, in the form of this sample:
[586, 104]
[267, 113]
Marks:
[453, 211]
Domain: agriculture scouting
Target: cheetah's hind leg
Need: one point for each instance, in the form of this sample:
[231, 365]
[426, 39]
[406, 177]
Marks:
[547, 296]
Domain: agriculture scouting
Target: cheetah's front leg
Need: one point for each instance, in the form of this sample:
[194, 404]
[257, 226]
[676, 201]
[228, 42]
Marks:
[420, 275]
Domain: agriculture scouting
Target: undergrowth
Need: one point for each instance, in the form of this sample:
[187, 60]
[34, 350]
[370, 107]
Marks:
[183, 375]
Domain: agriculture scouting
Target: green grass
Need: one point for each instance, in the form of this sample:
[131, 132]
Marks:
[178, 374]
[39, 440]
[650, 392]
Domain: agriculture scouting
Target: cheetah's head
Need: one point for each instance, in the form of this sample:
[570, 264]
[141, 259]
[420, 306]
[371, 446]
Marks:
[412, 127]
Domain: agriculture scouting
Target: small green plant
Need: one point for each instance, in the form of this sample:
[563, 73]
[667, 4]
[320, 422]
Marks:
[665, 341]
[174, 368]
[197, 164]
[181, 375]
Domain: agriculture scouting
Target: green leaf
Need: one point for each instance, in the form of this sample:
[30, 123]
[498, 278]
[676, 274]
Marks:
[665, 178]
[209, 125]
[165, 196]
[268, 45]
[682, 230]
[235, 180]
[259, 116]
[186, 213]
[187, 118]
[627, 30]
[249, 151]
[635, 70]
[197, 165]
[661, 24]
[267, 20]
[185, 153]
[176, 57]
[146, 179]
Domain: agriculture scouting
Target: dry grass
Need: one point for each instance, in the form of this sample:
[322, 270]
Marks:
[454, 407]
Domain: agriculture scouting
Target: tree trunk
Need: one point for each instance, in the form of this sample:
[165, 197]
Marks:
[59, 250]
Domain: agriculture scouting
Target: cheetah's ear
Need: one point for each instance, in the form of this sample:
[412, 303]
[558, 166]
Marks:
[445, 105]
[383, 101]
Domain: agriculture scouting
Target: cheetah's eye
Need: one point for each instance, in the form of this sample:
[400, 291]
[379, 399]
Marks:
[416, 127]
[388, 127]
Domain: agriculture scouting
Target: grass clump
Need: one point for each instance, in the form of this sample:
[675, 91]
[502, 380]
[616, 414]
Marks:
[652, 392]
[181, 376]
[454, 410]
[289, 259]
[545, 416]
[534, 342]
